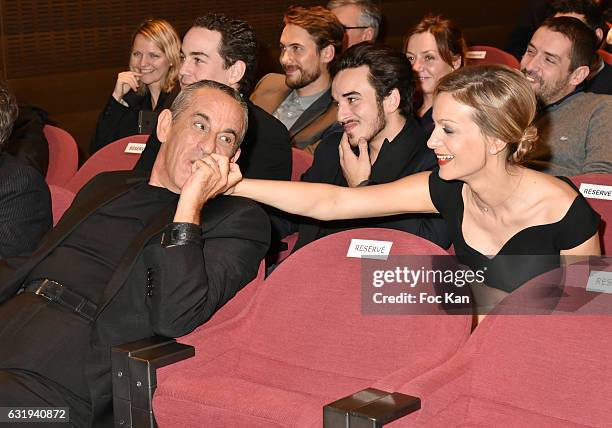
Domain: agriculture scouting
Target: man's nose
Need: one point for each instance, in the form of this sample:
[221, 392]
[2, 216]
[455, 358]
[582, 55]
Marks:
[207, 144]
[530, 63]
[343, 112]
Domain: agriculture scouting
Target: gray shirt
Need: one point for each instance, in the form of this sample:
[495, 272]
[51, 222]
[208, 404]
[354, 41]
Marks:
[293, 106]
[574, 136]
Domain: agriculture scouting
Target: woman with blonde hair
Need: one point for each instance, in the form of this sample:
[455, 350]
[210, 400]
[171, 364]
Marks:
[434, 47]
[493, 206]
[140, 93]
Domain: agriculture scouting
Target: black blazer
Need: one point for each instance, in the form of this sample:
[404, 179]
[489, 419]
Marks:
[189, 284]
[265, 150]
[25, 207]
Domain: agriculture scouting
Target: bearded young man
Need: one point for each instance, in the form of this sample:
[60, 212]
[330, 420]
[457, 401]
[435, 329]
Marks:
[300, 98]
[380, 140]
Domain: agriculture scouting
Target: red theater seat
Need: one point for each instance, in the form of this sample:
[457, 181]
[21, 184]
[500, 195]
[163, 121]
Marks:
[63, 155]
[303, 342]
[548, 370]
[112, 157]
[602, 206]
[480, 54]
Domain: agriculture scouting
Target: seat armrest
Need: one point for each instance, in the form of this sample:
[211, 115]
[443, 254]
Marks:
[134, 367]
[369, 408]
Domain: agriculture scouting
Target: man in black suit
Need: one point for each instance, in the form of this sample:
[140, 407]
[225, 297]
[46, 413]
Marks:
[225, 50]
[135, 255]
[381, 141]
[25, 202]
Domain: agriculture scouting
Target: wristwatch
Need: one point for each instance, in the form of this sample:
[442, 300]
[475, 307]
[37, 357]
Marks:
[182, 234]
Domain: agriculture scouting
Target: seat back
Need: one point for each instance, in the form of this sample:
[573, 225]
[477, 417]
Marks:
[556, 365]
[301, 161]
[63, 155]
[309, 314]
[599, 203]
[112, 157]
[606, 56]
[60, 201]
[481, 54]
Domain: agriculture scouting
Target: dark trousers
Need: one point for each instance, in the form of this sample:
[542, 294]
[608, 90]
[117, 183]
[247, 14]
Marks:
[20, 388]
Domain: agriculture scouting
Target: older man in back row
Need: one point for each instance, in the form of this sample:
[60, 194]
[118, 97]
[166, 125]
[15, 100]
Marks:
[135, 255]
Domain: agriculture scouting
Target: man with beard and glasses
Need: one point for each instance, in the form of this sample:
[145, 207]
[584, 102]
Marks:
[310, 43]
[381, 140]
[574, 126]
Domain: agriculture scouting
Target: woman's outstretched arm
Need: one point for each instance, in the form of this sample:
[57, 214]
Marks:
[327, 202]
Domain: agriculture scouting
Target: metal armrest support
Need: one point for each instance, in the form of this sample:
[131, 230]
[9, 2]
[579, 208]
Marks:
[369, 408]
[134, 368]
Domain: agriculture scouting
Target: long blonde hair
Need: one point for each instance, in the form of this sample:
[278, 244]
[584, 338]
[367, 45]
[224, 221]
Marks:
[167, 40]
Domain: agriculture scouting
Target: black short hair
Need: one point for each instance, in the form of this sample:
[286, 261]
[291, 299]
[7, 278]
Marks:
[593, 15]
[388, 69]
[8, 113]
[582, 38]
[238, 43]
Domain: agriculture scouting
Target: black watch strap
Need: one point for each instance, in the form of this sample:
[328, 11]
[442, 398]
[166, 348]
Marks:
[181, 234]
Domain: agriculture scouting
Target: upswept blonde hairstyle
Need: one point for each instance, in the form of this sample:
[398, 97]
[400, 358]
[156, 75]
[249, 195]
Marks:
[167, 40]
[503, 101]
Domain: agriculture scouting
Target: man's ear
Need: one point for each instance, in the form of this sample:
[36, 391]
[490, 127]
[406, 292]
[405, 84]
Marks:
[164, 125]
[579, 74]
[236, 72]
[392, 101]
[327, 53]
[368, 34]
[236, 155]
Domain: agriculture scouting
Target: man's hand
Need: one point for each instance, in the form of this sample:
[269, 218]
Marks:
[355, 169]
[208, 178]
[126, 80]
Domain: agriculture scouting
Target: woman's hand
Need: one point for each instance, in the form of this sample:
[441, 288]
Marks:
[126, 80]
[234, 177]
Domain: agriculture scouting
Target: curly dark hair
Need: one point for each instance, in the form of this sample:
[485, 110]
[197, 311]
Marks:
[8, 114]
[388, 69]
[238, 43]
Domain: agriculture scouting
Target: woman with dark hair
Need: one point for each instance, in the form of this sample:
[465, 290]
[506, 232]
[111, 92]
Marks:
[493, 206]
[434, 47]
[154, 64]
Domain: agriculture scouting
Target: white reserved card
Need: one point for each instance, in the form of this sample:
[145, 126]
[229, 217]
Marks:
[135, 148]
[596, 191]
[476, 54]
[600, 281]
[369, 249]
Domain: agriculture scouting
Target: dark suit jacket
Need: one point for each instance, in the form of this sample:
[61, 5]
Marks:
[406, 154]
[265, 150]
[25, 207]
[600, 83]
[312, 125]
[189, 284]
